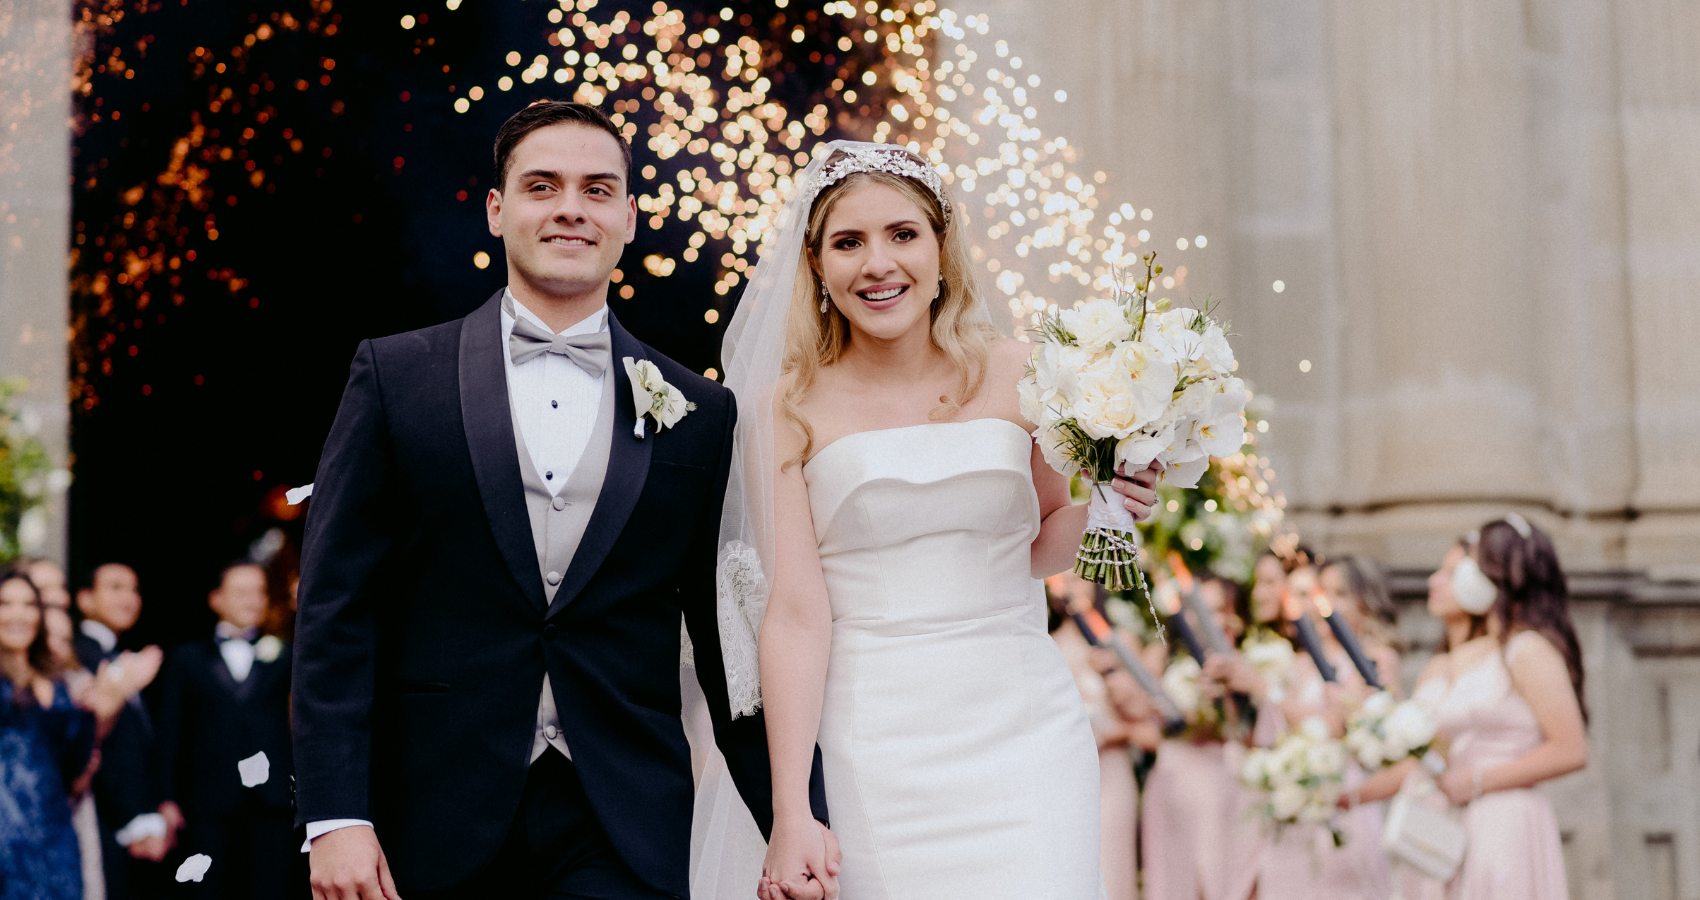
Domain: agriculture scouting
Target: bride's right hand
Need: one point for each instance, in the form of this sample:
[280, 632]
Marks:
[796, 866]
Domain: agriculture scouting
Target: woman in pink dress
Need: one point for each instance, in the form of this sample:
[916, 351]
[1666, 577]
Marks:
[1196, 840]
[1513, 711]
[1303, 863]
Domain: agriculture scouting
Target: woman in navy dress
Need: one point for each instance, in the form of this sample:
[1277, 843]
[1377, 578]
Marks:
[46, 739]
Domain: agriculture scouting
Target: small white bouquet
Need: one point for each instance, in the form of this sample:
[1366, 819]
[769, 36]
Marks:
[1384, 731]
[1300, 778]
[1180, 682]
[1118, 383]
[1271, 656]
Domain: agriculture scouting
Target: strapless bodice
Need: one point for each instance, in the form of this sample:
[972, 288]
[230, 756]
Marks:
[896, 507]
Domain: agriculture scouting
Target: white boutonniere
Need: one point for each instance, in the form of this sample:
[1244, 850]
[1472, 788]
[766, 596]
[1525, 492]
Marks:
[653, 395]
[266, 649]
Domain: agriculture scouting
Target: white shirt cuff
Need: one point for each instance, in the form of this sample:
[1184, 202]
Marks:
[146, 825]
[326, 826]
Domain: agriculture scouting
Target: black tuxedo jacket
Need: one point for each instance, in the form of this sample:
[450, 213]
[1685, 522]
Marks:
[124, 785]
[423, 635]
[208, 722]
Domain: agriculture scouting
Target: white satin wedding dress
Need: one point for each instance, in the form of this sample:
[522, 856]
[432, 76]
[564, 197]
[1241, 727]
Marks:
[957, 753]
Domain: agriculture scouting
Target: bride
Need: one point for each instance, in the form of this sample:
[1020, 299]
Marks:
[887, 518]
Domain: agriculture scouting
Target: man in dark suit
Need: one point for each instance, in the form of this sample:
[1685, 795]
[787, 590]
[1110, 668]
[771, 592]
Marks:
[222, 701]
[126, 797]
[501, 543]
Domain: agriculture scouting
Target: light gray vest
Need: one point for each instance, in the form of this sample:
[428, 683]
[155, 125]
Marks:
[557, 526]
[558, 521]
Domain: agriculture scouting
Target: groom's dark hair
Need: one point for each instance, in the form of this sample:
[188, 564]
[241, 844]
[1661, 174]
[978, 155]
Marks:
[544, 113]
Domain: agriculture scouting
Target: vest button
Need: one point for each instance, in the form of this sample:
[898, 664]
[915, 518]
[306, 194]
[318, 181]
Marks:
[559, 503]
[553, 578]
[549, 632]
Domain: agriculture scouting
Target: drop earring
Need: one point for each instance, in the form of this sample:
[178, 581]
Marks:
[825, 298]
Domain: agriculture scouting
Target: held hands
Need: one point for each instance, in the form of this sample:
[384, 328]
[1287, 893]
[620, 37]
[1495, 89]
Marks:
[348, 864]
[802, 862]
[1139, 490]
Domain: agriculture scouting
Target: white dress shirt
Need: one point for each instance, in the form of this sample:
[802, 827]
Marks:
[555, 404]
[100, 634]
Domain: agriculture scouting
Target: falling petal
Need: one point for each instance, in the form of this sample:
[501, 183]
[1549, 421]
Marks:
[194, 868]
[255, 771]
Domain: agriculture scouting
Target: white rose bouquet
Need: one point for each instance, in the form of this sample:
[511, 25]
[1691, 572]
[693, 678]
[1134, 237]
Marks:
[1300, 778]
[1116, 384]
[1180, 682]
[1384, 731]
[1271, 656]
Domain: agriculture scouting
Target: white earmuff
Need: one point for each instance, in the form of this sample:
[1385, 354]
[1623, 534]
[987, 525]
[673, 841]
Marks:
[1474, 591]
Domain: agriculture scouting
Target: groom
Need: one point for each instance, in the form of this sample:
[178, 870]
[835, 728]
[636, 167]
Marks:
[500, 546]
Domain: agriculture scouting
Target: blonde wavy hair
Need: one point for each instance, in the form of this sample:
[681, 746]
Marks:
[814, 340]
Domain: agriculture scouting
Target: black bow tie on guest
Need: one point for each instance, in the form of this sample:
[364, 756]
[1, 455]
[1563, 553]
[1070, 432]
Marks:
[228, 632]
[589, 352]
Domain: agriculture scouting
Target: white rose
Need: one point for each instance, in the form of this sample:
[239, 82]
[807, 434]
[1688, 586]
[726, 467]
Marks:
[1180, 682]
[1050, 445]
[1409, 726]
[1378, 705]
[1097, 323]
[1034, 407]
[1271, 659]
[1369, 753]
[1326, 759]
[1287, 800]
[1215, 350]
[1314, 728]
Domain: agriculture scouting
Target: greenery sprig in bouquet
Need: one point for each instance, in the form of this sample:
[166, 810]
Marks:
[1115, 384]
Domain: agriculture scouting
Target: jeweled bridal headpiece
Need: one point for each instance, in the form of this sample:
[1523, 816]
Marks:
[894, 160]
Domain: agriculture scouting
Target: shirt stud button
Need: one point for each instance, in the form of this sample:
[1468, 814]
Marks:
[548, 476]
[559, 503]
[554, 403]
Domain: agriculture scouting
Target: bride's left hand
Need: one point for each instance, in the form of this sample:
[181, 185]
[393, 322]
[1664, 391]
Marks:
[1139, 490]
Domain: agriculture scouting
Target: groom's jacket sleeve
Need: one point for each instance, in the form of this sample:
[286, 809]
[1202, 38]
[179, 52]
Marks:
[349, 534]
[742, 741]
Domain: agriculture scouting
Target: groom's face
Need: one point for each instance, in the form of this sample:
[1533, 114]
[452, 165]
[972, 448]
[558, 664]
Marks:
[565, 212]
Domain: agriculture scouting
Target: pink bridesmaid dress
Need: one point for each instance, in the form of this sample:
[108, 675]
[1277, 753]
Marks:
[1303, 863]
[1514, 851]
[1192, 826]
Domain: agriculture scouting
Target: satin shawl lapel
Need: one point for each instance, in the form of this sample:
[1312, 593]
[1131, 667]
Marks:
[487, 418]
[628, 467]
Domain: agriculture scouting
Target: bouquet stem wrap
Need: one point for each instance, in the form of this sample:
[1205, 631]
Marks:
[1109, 550]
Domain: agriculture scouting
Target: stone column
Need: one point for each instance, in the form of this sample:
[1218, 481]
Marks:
[35, 221]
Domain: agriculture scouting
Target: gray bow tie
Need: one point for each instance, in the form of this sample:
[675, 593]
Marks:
[589, 352]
